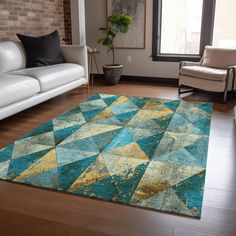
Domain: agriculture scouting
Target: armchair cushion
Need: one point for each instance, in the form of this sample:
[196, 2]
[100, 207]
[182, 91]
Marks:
[204, 72]
[220, 58]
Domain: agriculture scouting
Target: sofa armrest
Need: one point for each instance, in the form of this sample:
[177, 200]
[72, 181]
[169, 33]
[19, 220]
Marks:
[76, 54]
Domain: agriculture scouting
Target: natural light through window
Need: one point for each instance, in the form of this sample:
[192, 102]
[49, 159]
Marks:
[225, 33]
[181, 26]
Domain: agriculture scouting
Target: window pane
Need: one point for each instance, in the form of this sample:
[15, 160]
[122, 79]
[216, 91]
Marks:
[225, 24]
[181, 26]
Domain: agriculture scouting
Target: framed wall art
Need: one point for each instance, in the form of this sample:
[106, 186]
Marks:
[136, 36]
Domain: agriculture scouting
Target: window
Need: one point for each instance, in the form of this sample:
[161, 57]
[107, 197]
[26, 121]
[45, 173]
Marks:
[181, 28]
[224, 34]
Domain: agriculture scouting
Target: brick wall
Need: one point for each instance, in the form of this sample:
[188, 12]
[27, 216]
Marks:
[67, 22]
[34, 17]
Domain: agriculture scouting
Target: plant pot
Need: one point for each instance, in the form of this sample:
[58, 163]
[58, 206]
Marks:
[113, 73]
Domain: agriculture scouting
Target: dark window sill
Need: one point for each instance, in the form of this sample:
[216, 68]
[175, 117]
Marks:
[176, 58]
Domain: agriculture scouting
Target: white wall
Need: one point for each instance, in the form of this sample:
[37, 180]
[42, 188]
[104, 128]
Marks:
[78, 22]
[142, 64]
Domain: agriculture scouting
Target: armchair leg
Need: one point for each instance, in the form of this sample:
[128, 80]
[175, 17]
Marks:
[186, 91]
[179, 89]
[225, 96]
[226, 86]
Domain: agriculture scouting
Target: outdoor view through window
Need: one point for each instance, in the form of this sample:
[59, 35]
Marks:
[224, 32]
[181, 26]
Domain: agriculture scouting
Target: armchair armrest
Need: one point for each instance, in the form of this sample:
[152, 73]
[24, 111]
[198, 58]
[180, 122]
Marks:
[232, 68]
[231, 71]
[189, 63]
[76, 54]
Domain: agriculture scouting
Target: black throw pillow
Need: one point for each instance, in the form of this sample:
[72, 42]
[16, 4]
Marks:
[42, 51]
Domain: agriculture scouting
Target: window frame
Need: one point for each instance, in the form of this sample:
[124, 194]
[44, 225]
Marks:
[208, 15]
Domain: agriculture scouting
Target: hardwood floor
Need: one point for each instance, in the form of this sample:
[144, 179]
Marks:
[29, 211]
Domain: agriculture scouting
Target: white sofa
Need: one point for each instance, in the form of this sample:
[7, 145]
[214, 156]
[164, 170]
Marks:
[21, 88]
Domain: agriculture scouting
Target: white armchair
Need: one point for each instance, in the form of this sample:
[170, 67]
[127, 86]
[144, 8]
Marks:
[215, 72]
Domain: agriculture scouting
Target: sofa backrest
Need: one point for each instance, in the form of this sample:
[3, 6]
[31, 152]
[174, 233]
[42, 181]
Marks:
[12, 57]
[220, 58]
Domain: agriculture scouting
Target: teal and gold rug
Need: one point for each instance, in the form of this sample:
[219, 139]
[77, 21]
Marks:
[137, 151]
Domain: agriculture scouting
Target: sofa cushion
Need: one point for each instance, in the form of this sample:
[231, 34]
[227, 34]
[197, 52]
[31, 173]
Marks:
[12, 57]
[50, 77]
[14, 88]
[204, 72]
[220, 58]
[42, 51]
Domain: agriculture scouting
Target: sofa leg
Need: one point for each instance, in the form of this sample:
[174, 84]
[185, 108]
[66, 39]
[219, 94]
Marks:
[87, 89]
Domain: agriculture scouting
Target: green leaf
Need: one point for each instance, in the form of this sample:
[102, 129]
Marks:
[102, 29]
[113, 18]
[127, 19]
[108, 42]
[124, 29]
[100, 40]
[115, 28]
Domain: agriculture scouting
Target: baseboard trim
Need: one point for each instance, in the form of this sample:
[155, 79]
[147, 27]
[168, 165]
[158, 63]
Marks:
[143, 79]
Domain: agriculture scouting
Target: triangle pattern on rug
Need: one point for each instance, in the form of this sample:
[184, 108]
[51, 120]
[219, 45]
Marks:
[6, 153]
[102, 140]
[62, 134]
[166, 200]
[33, 144]
[68, 121]
[95, 172]
[45, 128]
[139, 101]
[4, 169]
[127, 181]
[188, 191]
[46, 179]
[94, 97]
[126, 117]
[68, 173]
[106, 113]
[121, 139]
[101, 189]
[173, 105]
[44, 164]
[117, 164]
[150, 144]
[179, 157]
[72, 155]
[82, 133]
[131, 150]
[180, 125]
[19, 165]
[173, 141]
[110, 100]
[83, 145]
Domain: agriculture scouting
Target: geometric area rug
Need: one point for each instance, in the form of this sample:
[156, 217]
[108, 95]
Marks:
[137, 151]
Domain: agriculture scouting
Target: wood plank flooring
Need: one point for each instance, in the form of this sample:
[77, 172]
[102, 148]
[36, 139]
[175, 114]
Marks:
[29, 211]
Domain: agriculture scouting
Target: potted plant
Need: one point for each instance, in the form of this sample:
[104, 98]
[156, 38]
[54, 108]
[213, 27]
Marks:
[117, 23]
